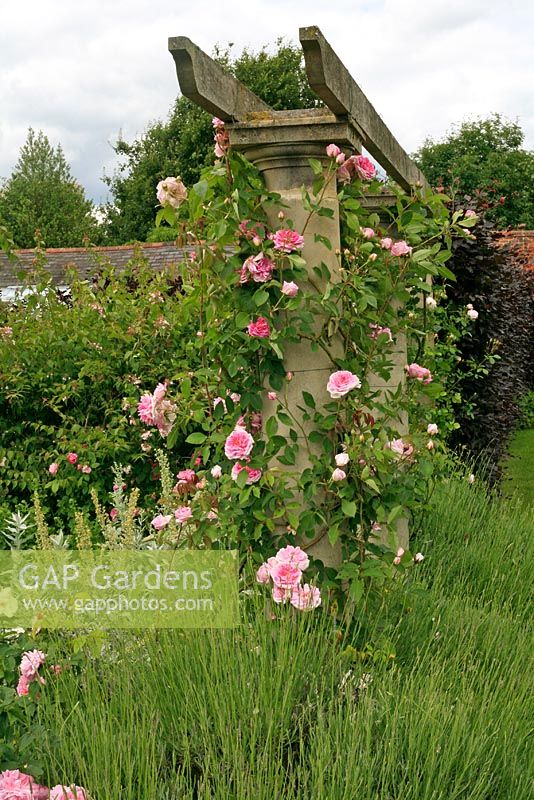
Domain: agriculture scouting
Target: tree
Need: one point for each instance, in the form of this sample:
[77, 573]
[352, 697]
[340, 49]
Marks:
[183, 144]
[42, 194]
[484, 159]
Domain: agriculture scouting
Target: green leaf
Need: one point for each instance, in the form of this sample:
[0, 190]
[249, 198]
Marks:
[356, 590]
[308, 399]
[316, 166]
[349, 508]
[196, 438]
[260, 297]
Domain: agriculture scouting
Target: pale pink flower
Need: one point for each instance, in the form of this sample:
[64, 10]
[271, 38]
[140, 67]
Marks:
[305, 597]
[53, 468]
[430, 445]
[171, 192]
[212, 515]
[259, 329]
[342, 459]
[342, 382]
[432, 429]
[217, 122]
[285, 575]
[332, 151]
[377, 330]
[238, 444]
[340, 158]
[72, 458]
[256, 421]
[16, 785]
[272, 396]
[338, 475]
[114, 513]
[418, 557]
[6, 330]
[183, 513]
[258, 267]
[376, 527]
[386, 243]
[367, 233]
[86, 469]
[472, 314]
[419, 373]
[253, 475]
[263, 575]
[30, 663]
[144, 409]
[470, 213]
[22, 689]
[471, 478]
[398, 556]
[286, 241]
[293, 555]
[281, 595]
[216, 471]
[430, 303]
[290, 289]
[373, 257]
[187, 476]
[163, 410]
[400, 448]
[217, 401]
[161, 521]
[400, 248]
[356, 167]
[289, 376]
[68, 793]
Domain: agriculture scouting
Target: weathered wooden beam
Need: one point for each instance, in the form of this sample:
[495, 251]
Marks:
[333, 83]
[210, 86]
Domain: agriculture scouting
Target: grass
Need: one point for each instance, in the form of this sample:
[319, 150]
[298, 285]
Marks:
[291, 710]
[519, 468]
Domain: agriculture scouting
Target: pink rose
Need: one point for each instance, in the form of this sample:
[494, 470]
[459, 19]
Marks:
[386, 243]
[161, 521]
[373, 257]
[183, 513]
[263, 575]
[30, 663]
[216, 471]
[53, 468]
[290, 289]
[171, 192]
[367, 233]
[260, 329]
[418, 557]
[338, 475]
[333, 151]
[217, 123]
[16, 785]
[238, 444]
[377, 330]
[272, 396]
[293, 555]
[285, 575]
[281, 595]
[144, 409]
[86, 469]
[23, 687]
[187, 476]
[72, 458]
[253, 475]
[305, 597]
[114, 513]
[419, 373]
[364, 168]
[470, 213]
[430, 445]
[400, 448]
[163, 410]
[472, 314]
[259, 268]
[68, 793]
[432, 429]
[398, 556]
[341, 382]
[286, 241]
[400, 249]
[342, 459]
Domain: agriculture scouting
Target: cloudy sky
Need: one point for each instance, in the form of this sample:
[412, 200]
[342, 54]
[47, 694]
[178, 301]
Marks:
[85, 72]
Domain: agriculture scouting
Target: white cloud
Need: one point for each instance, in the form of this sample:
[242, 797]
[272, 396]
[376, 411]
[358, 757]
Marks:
[83, 72]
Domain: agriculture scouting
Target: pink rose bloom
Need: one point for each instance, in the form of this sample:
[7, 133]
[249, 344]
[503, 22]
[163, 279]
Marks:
[286, 241]
[144, 409]
[217, 123]
[432, 429]
[239, 444]
[217, 401]
[171, 192]
[163, 410]
[377, 330]
[338, 475]
[259, 268]
[419, 373]
[472, 314]
[342, 382]
[333, 151]
[306, 597]
[216, 471]
[235, 397]
[114, 513]
[400, 249]
[86, 469]
[418, 557]
[281, 595]
[30, 663]
[262, 575]
[342, 459]
[293, 555]
[16, 785]
[256, 421]
[398, 556]
[68, 793]
[161, 521]
[23, 686]
[470, 213]
[253, 474]
[364, 168]
[272, 396]
[183, 513]
[430, 445]
[187, 476]
[53, 468]
[373, 257]
[212, 515]
[367, 233]
[260, 329]
[290, 289]
[400, 448]
[285, 575]
[289, 376]
[72, 458]
[386, 243]
[7, 330]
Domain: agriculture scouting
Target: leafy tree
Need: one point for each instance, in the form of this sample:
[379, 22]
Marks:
[485, 159]
[184, 143]
[42, 194]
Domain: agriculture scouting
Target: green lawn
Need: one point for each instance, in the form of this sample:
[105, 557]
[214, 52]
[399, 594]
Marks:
[519, 468]
[292, 710]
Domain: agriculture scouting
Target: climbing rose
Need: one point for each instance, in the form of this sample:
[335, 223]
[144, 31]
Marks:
[332, 151]
[342, 459]
[386, 243]
[305, 597]
[430, 303]
[285, 576]
[290, 289]
[216, 471]
[161, 521]
[86, 469]
[472, 314]
[432, 429]
[171, 192]
[262, 575]
[399, 555]
[367, 233]
[72, 458]
[339, 475]
[356, 166]
[430, 445]
[341, 382]
[187, 476]
[53, 468]
[419, 373]
[67, 793]
[253, 475]
[281, 595]
[293, 555]
[400, 249]
[470, 213]
[377, 330]
[238, 444]
[23, 686]
[259, 329]
[183, 513]
[272, 396]
[258, 267]
[400, 448]
[418, 557]
[287, 241]
[144, 409]
[30, 663]
[155, 409]
[16, 785]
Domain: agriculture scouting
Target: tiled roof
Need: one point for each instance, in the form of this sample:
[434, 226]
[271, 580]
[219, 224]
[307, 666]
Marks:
[521, 243]
[87, 261]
